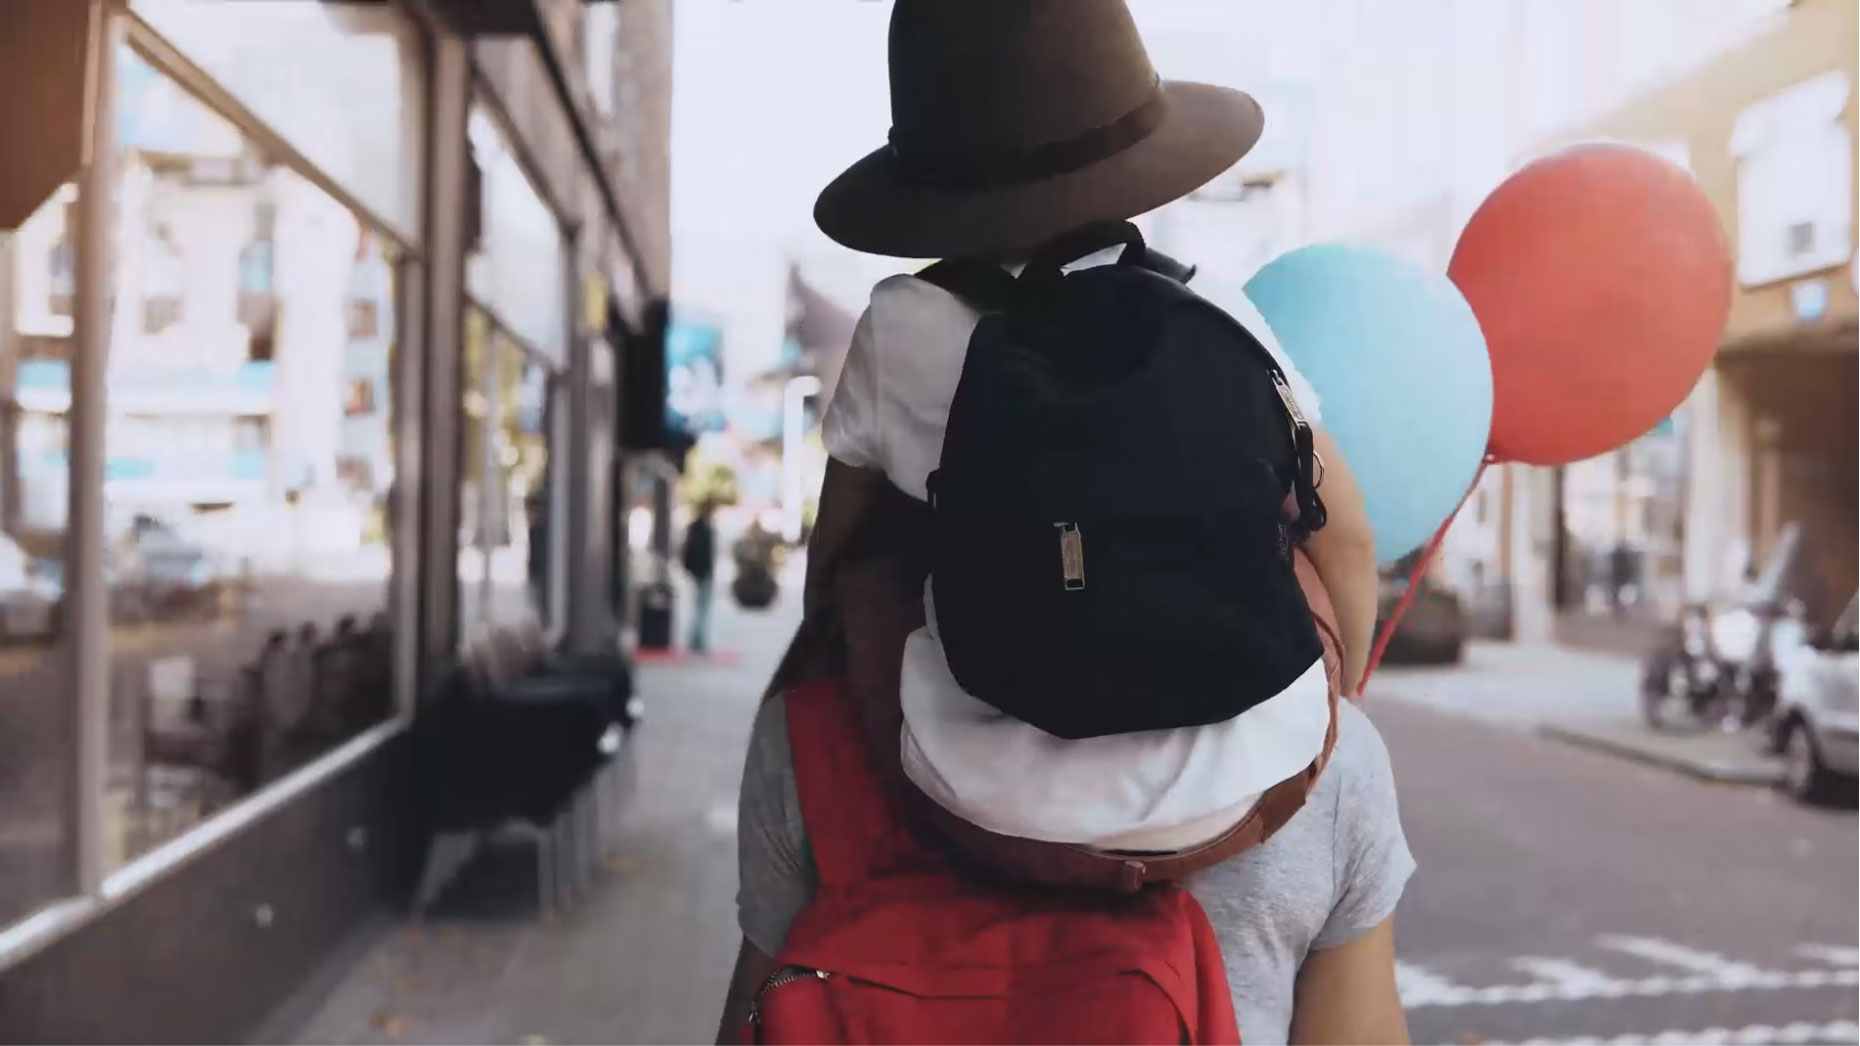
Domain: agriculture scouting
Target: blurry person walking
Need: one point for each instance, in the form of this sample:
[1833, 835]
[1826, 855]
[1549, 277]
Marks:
[700, 561]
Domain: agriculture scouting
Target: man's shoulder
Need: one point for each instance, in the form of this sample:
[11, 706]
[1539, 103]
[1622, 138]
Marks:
[1358, 767]
[1360, 753]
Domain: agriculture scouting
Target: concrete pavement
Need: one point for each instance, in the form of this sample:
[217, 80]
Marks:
[1565, 894]
[1518, 684]
[646, 956]
[1562, 895]
[1581, 697]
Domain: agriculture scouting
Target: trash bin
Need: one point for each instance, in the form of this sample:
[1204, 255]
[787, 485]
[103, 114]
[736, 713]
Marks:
[655, 616]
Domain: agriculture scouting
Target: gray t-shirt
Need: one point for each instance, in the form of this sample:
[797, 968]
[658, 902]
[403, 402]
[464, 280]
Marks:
[1333, 873]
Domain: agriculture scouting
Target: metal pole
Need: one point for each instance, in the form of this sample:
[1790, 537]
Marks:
[443, 287]
[574, 526]
[9, 413]
[87, 635]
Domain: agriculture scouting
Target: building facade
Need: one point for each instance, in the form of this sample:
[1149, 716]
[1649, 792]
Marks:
[1770, 130]
[1413, 113]
[306, 379]
[1695, 509]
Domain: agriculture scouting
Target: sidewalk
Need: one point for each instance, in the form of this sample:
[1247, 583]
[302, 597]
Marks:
[1577, 697]
[645, 956]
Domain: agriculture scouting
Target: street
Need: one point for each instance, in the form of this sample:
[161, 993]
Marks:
[1562, 895]
[1565, 894]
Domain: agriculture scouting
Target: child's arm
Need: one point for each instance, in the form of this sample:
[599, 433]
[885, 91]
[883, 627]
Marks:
[1344, 552]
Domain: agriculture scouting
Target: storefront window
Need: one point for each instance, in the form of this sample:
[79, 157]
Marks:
[517, 273]
[36, 723]
[249, 465]
[474, 422]
[1623, 524]
[505, 511]
[363, 127]
[523, 555]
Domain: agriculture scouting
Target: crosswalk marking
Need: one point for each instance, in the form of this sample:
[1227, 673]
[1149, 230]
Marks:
[1695, 972]
[1691, 960]
[1420, 987]
[1566, 975]
[1832, 954]
[1435, 991]
[1798, 1032]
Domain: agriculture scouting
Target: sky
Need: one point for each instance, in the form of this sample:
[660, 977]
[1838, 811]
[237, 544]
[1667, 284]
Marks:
[1401, 116]
[773, 98]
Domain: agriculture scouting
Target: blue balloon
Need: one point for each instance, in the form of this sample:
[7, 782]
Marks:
[1403, 379]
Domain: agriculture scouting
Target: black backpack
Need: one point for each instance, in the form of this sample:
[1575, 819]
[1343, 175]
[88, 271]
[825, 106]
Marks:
[1124, 476]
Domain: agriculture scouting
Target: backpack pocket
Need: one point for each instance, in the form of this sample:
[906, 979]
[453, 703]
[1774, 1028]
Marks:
[1091, 627]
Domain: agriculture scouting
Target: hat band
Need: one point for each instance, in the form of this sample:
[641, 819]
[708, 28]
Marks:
[996, 170]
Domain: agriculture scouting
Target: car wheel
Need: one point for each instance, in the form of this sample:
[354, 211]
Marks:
[1805, 776]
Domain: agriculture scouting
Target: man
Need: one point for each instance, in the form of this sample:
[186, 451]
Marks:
[1304, 921]
[1016, 124]
[700, 561]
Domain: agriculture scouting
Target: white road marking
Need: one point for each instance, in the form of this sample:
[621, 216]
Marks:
[1567, 975]
[1648, 987]
[1832, 954]
[1691, 960]
[1801, 1032]
[1421, 987]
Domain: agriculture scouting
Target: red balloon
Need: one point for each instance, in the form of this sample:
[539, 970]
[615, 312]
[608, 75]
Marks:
[1601, 279]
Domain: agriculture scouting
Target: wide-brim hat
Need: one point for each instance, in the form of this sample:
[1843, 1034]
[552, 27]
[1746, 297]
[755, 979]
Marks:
[1016, 120]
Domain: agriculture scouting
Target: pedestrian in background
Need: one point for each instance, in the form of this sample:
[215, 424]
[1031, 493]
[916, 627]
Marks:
[700, 561]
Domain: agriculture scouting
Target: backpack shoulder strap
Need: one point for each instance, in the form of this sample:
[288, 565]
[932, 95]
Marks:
[1147, 257]
[1307, 468]
[854, 825]
[977, 281]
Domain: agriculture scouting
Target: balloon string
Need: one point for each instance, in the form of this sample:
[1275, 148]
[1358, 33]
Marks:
[1413, 588]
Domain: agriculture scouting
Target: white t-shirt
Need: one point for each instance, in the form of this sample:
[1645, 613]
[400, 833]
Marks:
[1159, 790]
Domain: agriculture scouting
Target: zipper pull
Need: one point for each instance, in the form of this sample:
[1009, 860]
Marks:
[785, 976]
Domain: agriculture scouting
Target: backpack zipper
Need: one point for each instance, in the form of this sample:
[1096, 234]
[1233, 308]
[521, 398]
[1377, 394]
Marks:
[780, 978]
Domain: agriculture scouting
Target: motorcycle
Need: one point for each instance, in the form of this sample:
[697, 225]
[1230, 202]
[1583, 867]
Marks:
[1719, 666]
[1688, 683]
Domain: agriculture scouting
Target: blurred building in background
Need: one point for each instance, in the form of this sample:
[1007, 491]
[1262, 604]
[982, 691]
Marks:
[1696, 508]
[310, 360]
[1399, 119]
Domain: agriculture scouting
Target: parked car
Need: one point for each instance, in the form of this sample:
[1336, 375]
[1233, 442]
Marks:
[1818, 711]
[1434, 629]
[155, 571]
[29, 595]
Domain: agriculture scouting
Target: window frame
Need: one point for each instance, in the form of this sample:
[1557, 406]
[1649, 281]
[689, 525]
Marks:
[98, 891]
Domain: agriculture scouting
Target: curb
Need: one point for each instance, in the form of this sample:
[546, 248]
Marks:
[1704, 769]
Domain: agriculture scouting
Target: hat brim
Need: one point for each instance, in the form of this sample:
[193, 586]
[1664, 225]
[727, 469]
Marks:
[872, 208]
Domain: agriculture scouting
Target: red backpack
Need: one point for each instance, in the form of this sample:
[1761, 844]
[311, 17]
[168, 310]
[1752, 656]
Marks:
[899, 947]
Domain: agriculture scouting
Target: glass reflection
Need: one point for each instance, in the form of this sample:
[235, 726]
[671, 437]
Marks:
[249, 460]
[504, 492]
[36, 724]
[474, 418]
[521, 560]
[362, 128]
